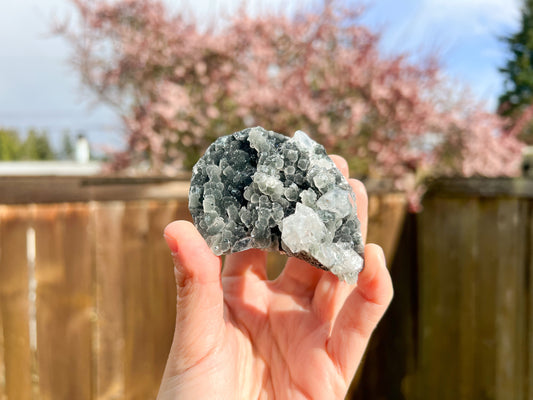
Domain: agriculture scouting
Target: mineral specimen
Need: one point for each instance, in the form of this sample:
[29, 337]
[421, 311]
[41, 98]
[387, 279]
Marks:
[260, 189]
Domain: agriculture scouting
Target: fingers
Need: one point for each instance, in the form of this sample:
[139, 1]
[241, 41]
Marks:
[330, 294]
[299, 278]
[374, 283]
[361, 199]
[199, 319]
[341, 164]
[252, 261]
[361, 312]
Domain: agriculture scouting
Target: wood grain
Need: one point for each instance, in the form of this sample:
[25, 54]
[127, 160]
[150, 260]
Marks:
[386, 215]
[510, 312]
[440, 292]
[14, 302]
[64, 303]
[529, 326]
[138, 321]
[460, 329]
[162, 287]
[473, 298]
[109, 272]
[3, 395]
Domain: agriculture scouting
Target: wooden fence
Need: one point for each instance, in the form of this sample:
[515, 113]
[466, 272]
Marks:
[87, 300]
[460, 325]
[87, 295]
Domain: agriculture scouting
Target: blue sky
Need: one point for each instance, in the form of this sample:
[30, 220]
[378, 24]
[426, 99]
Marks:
[39, 89]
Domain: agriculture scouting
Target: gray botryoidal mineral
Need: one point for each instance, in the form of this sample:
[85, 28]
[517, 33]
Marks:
[260, 189]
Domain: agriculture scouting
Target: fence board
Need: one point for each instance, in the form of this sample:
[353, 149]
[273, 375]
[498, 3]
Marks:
[138, 323]
[440, 237]
[109, 281]
[64, 302]
[472, 304]
[3, 395]
[14, 303]
[466, 267]
[486, 300]
[389, 370]
[386, 214]
[162, 286]
[510, 307]
[529, 320]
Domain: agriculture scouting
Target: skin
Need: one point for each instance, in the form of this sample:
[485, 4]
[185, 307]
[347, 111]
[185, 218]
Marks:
[240, 336]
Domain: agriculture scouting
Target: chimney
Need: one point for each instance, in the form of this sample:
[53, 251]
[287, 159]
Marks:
[83, 151]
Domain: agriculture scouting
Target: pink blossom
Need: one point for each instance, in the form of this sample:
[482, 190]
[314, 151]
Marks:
[178, 87]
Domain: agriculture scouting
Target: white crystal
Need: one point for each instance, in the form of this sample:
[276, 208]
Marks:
[303, 229]
[336, 200]
[302, 141]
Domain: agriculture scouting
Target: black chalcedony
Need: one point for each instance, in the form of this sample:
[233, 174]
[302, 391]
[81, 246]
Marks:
[260, 189]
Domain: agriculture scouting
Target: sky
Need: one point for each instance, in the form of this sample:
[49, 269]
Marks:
[39, 89]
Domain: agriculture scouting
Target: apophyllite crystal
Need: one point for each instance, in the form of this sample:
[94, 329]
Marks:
[260, 189]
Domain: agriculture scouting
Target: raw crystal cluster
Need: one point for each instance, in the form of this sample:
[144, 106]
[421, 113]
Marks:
[259, 189]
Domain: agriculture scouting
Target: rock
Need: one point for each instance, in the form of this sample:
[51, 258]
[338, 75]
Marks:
[259, 189]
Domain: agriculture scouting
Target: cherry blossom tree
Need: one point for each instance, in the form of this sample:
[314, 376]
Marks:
[179, 84]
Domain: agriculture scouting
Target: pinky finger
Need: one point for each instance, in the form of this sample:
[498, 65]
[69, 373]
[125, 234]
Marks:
[361, 312]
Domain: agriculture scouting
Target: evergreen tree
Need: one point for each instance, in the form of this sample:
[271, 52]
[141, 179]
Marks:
[518, 71]
[67, 147]
[10, 145]
[37, 147]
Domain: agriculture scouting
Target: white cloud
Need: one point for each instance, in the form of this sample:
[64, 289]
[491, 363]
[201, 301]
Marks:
[481, 16]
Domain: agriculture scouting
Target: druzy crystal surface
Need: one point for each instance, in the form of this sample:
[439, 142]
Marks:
[260, 189]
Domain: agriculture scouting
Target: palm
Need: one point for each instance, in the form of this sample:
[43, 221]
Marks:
[240, 336]
[286, 340]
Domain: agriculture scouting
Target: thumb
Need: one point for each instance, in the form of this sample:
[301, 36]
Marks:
[199, 314]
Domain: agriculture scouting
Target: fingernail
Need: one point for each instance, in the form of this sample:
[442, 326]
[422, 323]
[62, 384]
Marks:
[381, 255]
[171, 243]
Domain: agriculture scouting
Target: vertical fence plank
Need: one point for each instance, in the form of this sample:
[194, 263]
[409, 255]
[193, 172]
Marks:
[473, 298]
[511, 304]
[109, 273]
[389, 370]
[529, 325]
[466, 267]
[64, 303]
[445, 237]
[14, 302]
[386, 214]
[486, 299]
[138, 322]
[3, 395]
[162, 287]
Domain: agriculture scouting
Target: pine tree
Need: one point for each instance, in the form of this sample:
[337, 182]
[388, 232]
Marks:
[518, 71]
[10, 145]
[37, 147]
[67, 147]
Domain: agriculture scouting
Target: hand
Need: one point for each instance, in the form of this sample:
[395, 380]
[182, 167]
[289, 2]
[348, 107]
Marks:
[240, 336]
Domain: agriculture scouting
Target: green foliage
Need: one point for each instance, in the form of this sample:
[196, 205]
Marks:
[67, 147]
[10, 145]
[36, 146]
[518, 70]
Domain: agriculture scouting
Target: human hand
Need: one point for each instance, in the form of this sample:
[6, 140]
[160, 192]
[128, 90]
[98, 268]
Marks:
[240, 336]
